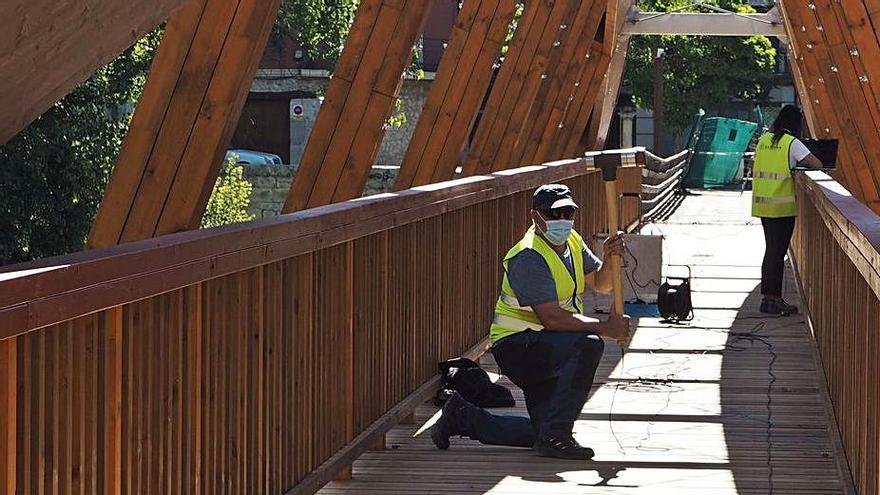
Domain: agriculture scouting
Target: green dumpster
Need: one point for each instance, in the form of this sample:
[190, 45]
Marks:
[719, 151]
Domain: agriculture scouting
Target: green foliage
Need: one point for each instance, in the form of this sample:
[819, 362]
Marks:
[517, 15]
[320, 26]
[701, 72]
[53, 173]
[230, 198]
[398, 116]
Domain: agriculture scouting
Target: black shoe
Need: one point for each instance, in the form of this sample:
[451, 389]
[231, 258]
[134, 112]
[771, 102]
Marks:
[778, 307]
[562, 448]
[448, 424]
[790, 309]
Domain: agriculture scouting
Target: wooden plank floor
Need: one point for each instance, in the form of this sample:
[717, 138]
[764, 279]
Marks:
[697, 408]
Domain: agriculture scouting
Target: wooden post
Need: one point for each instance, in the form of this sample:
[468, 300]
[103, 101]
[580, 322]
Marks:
[348, 357]
[113, 401]
[193, 305]
[8, 379]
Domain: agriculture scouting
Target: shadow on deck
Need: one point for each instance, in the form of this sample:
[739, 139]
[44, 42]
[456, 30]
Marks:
[732, 402]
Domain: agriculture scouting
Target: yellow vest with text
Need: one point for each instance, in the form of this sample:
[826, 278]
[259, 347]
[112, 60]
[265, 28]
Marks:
[510, 316]
[773, 192]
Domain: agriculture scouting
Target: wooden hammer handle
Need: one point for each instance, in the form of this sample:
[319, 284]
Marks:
[613, 227]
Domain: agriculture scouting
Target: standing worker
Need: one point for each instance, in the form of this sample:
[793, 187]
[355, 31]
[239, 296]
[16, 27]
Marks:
[540, 338]
[774, 200]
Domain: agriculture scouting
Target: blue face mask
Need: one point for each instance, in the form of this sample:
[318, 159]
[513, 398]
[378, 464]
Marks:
[558, 231]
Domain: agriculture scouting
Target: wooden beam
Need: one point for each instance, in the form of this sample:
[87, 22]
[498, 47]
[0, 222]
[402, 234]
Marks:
[178, 137]
[519, 57]
[812, 87]
[577, 118]
[588, 125]
[456, 93]
[48, 47]
[8, 423]
[223, 101]
[607, 100]
[146, 123]
[855, 51]
[555, 91]
[350, 125]
[550, 54]
[841, 84]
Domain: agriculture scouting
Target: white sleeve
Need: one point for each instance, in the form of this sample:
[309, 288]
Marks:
[797, 152]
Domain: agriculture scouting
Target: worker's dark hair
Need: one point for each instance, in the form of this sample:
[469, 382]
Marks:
[788, 121]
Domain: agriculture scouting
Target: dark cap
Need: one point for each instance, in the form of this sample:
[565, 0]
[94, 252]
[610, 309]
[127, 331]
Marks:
[552, 196]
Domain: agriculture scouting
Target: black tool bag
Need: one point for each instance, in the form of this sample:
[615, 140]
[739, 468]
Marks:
[473, 383]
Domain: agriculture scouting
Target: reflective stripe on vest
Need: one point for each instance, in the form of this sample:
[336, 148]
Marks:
[515, 324]
[780, 200]
[510, 316]
[773, 189]
[772, 175]
[569, 304]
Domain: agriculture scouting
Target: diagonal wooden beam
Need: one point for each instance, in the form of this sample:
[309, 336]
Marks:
[551, 51]
[350, 125]
[820, 35]
[854, 49]
[49, 47]
[577, 116]
[586, 127]
[803, 57]
[456, 93]
[606, 101]
[505, 90]
[553, 94]
[173, 152]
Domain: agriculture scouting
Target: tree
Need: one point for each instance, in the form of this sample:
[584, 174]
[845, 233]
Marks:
[319, 26]
[230, 198]
[54, 171]
[701, 72]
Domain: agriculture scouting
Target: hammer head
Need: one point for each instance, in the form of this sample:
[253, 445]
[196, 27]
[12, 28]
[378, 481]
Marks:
[608, 164]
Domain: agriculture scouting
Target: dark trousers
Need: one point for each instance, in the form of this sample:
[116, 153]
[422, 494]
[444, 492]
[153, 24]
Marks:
[777, 237]
[555, 370]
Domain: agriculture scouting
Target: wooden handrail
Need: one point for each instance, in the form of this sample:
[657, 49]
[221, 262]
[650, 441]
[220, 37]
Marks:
[855, 227]
[836, 250]
[42, 293]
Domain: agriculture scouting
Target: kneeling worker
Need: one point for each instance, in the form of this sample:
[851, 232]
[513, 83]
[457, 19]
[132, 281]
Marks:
[540, 338]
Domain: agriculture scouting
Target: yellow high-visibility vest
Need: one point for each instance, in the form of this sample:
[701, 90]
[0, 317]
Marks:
[773, 192]
[510, 316]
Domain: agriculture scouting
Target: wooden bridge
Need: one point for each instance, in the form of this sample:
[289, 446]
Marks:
[281, 355]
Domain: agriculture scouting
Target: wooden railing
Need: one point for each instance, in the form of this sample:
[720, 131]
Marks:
[836, 246]
[260, 357]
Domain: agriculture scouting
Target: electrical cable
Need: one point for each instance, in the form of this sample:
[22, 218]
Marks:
[654, 385]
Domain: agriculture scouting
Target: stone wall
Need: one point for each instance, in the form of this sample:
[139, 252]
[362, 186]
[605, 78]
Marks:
[272, 182]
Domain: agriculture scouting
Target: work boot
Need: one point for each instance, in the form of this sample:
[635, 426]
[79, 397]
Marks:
[778, 307]
[450, 422]
[561, 448]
